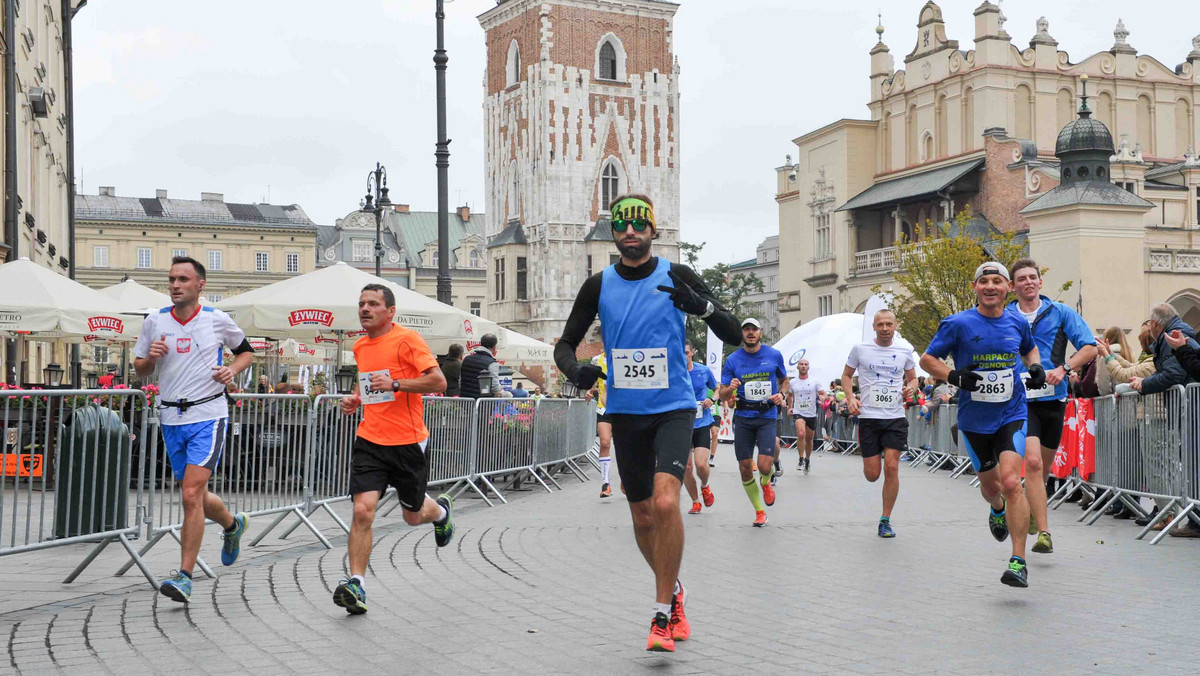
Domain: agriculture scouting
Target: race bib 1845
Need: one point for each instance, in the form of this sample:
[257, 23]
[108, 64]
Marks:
[757, 390]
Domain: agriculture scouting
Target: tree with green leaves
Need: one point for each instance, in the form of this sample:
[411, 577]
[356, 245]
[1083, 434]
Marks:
[729, 290]
[936, 276]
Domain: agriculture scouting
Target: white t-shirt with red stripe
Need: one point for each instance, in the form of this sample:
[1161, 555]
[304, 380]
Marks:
[194, 347]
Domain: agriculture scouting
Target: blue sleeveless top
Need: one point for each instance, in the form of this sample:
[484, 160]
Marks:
[644, 336]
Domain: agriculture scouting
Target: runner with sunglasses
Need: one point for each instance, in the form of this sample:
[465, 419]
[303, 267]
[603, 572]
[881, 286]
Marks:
[642, 302]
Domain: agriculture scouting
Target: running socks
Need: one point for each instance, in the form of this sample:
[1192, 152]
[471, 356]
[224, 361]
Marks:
[362, 582]
[662, 608]
[232, 527]
[441, 520]
[604, 462]
[755, 495]
[186, 573]
[765, 479]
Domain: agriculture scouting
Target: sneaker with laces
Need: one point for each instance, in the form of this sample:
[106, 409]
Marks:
[707, 494]
[760, 519]
[178, 587]
[695, 508]
[606, 490]
[681, 629]
[885, 529]
[1017, 574]
[1044, 544]
[349, 594]
[998, 525]
[660, 640]
[443, 532]
[768, 492]
[232, 540]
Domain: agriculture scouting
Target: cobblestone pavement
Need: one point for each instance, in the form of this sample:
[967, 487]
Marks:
[554, 584]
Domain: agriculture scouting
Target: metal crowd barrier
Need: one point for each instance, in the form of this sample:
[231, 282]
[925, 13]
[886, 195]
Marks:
[845, 434]
[69, 474]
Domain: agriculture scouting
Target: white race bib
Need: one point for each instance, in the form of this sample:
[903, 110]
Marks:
[882, 396]
[1046, 390]
[644, 369]
[370, 396]
[757, 390]
[804, 402]
[699, 410]
[995, 388]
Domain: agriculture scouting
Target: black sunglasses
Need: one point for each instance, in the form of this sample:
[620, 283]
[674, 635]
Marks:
[639, 224]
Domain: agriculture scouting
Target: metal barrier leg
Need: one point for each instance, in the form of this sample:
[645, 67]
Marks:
[1062, 490]
[487, 482]
[1162, 514]
[87, 560]
[975, 482]
[141, 552]
[305, 520]
[291, 528]
[1116, 498]
[278, 520]
[469, 483]
[199, 561]
[1183, 513]
[136, 558]
[534, 472]
[960, 468]
[1100, 503]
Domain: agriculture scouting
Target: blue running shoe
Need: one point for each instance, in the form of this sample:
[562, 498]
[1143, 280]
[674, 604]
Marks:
[178, 587]
[350, 595]
[233, 540]
[885, 530]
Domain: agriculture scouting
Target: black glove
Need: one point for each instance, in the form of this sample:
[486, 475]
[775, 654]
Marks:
[587, 376]
[966, 379]
[1037, 377]
[684, 297]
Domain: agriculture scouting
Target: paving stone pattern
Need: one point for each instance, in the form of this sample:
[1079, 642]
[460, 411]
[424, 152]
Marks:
[554, 584]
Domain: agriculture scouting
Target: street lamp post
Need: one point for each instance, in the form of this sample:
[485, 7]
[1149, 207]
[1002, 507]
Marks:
[375, 202]
[443, 160]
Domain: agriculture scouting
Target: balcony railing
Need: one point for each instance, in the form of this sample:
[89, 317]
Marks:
[875, 260]
[1174, 261]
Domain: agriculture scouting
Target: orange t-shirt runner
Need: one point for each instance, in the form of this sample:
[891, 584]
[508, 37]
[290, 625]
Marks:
[406, 355]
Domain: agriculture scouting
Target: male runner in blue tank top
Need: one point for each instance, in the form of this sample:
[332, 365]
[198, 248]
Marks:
[988, 344]
[642, 301]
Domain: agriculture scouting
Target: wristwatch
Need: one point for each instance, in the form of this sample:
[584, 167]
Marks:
[395, 385]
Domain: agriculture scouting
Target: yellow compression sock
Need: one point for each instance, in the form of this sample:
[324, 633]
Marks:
[755, 495]
[765, 479]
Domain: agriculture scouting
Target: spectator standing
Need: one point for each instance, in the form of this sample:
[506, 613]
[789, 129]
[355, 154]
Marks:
[263, 387]
[1168, 372]
[452, 369]
[480, 372]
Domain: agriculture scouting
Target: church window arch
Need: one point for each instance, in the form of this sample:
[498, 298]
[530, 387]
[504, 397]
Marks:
[514, 191]
[610, 182]
[610, 59]
[513, 66]
[968, 119]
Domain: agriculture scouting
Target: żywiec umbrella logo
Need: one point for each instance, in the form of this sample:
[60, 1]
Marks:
[105, 324]
[321, 317]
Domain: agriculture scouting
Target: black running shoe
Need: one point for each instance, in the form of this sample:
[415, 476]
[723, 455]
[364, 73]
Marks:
[998, 525]
[1017, 574]
[443, 532]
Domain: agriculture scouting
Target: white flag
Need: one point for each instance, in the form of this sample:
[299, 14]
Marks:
[714, 354]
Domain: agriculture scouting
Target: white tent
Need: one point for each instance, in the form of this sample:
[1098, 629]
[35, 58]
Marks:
[132, 296]
[521, 349]
[825, 342]
[35, 299]
[326, 301]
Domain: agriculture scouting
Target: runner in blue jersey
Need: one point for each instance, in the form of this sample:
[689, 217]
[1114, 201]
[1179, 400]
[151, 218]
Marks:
[757, 376]
[989, 344]
[703, 386]
[1053, 326]
[642, 302]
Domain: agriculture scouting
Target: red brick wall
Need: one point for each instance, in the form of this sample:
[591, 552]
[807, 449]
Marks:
[577, 31]
[526, 30]
[1002, 190]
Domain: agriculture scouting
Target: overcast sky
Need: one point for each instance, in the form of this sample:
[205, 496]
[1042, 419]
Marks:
[297, 100]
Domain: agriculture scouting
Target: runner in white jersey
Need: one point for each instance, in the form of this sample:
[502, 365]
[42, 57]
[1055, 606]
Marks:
[186, 343]
[886, 377]
[802, 401]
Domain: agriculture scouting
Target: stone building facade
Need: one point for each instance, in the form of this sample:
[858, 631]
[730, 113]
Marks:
[410, 251]
[976, 128]
[581, 105]
[764, 266]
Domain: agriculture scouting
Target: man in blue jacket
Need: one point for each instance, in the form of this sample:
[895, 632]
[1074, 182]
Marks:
[1168, 371]
[1053, 326]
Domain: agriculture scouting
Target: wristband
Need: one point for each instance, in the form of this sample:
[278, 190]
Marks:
[1108, 358]
[708, 310]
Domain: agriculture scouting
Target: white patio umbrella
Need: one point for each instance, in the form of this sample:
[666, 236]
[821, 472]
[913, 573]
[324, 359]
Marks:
[326, 301]
[521, 349]
[825, 342]
[36, 299]
[133, 296]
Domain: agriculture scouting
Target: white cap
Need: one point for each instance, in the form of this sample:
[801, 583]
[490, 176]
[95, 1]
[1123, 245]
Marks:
[752, 322]
[991, 268]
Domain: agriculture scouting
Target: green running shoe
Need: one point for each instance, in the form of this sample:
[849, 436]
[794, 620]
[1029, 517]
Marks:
[232, 545]
[998, 525]
[1017, 574]
[1044, 544]
[444, 532]
[350, 595]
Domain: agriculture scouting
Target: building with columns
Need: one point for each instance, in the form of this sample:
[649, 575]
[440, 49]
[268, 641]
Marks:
[764, 266]
[976, 128]
[581, 104]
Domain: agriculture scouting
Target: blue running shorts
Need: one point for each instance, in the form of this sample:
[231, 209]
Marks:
[199, 444]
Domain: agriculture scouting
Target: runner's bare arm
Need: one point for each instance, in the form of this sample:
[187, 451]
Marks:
[431, 381]
[583, 313]
[910, 377]
[848, 388]
[934, 366]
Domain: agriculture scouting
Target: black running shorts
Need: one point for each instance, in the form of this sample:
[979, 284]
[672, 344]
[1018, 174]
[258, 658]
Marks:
[702, 436]
[985, 449]
[1046, 421]
[874, 435]
[649, 444]
[810, 421]
[374, 467]
[603, 418]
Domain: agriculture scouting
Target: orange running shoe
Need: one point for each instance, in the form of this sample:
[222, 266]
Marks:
[706, 493]
[695, 508]
[681, 629]
[768, 494]
[760, 519]
[660, 640]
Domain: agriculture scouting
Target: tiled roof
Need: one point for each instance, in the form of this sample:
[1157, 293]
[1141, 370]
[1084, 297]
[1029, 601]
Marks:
[416, 229]
[912, 187]
[513, 233]
[200, 212]
[1101, 193]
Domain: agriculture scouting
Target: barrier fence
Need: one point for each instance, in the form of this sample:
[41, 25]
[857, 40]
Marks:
[89, 466]
[1117, 448]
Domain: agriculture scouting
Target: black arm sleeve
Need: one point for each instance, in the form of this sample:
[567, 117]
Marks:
[583, 313]
[1188, 359]
[244, 347]
[722, 321]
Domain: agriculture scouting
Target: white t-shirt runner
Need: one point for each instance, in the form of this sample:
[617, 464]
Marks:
[880, 378]
[804, 396]
[194, 347]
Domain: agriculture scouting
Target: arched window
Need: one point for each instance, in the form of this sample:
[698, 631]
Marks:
[474, 258]
[610, 184]
[942, 138]
[1024, 112]
[1183, 126]
[1145, 125]
[610, 59]
[968, 119]
[1064, 107]
[927, 147]
[513, 67]
[1104, 111]
[911, 150]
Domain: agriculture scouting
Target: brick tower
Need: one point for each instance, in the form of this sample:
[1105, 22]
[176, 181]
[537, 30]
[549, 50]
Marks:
[581, 103]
